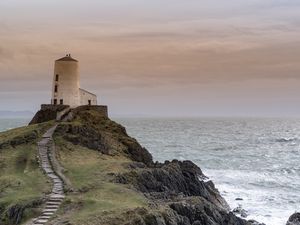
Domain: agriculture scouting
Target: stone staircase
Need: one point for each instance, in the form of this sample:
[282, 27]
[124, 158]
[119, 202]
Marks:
[57, 194]
[62, 114]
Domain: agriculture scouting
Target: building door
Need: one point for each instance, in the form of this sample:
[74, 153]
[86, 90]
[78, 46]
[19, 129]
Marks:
[61, 101]
[90, 102]
[55, 101]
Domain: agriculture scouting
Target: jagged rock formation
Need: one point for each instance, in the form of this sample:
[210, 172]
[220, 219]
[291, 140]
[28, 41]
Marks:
[294, 219]
[178, 187]
[95, 131]
[116, 182]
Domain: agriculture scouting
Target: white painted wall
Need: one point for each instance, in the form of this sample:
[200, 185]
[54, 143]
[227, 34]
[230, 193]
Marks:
[68, 88]
[67, 84]
[85, 96]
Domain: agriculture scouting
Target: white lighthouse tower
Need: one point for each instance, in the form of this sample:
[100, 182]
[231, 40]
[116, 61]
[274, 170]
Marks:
[66, 88]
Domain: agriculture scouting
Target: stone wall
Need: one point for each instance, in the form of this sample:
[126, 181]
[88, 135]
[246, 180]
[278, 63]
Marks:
[53, 107]
[102, 109]
[49, 112]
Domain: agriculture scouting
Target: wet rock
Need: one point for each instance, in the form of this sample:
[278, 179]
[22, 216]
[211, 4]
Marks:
[240, 211]
[254, 222]
[172, 179]
[202, 212]
[178, 192]
[294, 219]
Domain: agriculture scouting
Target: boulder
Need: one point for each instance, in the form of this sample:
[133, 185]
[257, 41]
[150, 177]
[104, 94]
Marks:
[294, 219]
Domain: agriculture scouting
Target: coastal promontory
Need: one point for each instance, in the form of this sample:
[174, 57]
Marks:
[108, 178]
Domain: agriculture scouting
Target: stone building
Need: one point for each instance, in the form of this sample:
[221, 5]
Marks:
[66, 88]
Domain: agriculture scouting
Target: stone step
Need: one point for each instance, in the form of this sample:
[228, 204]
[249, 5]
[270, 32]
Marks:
[57, 189]
[53, 203]
[47, 165]
[41, 221]
[47, 214]
[57, 195]
[49, 210]
[48, 170]
[55, 177]
[56, 199]
[57, 181]
[52, 207]
[44, 217]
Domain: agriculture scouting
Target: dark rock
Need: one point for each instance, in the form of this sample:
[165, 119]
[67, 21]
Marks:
[240, 211]
[47, 113]
[178, 192]
[200, 211]
[294, 219]
[239, 199]
[254, 222]
[100, 133]
[14, 214]
[172, 179]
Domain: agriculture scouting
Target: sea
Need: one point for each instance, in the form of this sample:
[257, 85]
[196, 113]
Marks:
[254, 162]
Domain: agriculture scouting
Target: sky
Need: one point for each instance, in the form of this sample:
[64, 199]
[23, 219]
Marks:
[156, 58]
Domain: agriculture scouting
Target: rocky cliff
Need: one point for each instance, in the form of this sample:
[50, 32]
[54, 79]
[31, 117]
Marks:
[114, 181]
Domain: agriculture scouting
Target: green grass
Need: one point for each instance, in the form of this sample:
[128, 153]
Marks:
[24, 134]
[21, 180]
[96, 196]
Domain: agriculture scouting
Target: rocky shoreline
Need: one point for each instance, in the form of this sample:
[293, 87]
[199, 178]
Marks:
[179, 188]
[101, 158]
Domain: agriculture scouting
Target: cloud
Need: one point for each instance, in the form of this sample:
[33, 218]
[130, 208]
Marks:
[132, 48]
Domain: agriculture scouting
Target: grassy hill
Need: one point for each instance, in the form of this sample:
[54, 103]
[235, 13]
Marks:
[22, 183]
[112, 179]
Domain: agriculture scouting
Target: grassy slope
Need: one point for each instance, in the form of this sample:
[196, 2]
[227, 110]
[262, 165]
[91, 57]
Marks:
[95, 199]
[96, 196]
[21, 180]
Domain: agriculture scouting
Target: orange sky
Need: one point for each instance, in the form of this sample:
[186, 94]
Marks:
[159, 57]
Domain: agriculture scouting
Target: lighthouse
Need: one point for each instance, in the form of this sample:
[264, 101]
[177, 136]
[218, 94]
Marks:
[66, 84]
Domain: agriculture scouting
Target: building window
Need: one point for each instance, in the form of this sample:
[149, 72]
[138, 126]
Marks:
[61, 101]
[55, 88]
[55, 101]
[90, 102]
[56, 77]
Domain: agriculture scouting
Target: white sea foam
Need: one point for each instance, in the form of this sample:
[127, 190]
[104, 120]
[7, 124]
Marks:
[253, 159]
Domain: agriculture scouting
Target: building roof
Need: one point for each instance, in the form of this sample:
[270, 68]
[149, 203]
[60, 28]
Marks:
[87, 91]
[67, 58]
